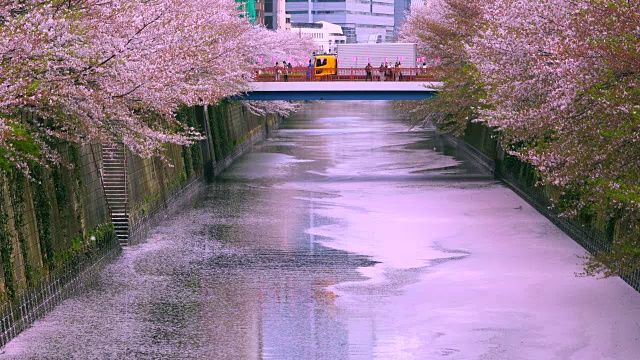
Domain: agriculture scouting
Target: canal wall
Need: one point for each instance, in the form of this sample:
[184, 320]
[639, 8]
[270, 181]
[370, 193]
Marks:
[55, 229]
[55, 235]
[155, 188]
[594, 232]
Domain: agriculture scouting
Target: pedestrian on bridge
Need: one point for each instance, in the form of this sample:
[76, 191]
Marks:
[278, 71]
[368, 70]
[395, 71]
[309, 69]
[382, 69]
[287, 70]
[388, 72]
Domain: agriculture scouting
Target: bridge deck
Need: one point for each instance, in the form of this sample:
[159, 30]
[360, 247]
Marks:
[346, 86]
[342, 90]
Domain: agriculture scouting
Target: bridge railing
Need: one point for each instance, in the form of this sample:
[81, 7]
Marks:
[304, 74]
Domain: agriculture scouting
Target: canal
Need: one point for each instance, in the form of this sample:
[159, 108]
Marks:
[346, 236]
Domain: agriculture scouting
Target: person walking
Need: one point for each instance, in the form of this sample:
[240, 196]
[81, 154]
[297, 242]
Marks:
[278, 70]
[368, 70]
[399, 71]
[395, 71]
[287, 69]
[309, 70]
[382, 69]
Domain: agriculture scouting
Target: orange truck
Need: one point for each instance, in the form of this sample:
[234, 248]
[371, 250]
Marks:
[325, 65]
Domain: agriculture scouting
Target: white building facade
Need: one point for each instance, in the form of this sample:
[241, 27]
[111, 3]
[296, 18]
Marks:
[324, 34]
[360, 19]
[275, 16]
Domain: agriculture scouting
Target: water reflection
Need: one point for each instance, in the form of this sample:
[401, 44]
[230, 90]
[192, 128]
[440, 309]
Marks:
[345, 236]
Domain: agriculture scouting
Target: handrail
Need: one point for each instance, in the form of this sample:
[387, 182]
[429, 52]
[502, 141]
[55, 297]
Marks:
[306, 74]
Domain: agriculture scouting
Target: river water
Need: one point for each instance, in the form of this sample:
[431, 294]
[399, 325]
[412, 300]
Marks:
[346, 236]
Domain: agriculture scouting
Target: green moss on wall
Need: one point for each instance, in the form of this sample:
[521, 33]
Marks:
[74, 158]
[98, 238]
[223, 144]
[6, 246]
[104, 235]
[186, 157]
[20, 139]
[196, 159]
[42, 204]
[191, 155]
[60, 193]
[16, 194]
[215, 131]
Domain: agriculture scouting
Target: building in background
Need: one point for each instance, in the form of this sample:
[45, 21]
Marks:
[359, 19]
[259, 12]
[275, 15]
[326, 35]
[248, 9]
[375, 39]
[401, 9]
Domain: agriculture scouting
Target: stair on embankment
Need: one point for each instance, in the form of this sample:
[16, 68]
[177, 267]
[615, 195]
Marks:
[114, 182]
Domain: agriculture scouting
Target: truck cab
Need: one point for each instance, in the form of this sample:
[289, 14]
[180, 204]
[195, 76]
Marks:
[325, 65]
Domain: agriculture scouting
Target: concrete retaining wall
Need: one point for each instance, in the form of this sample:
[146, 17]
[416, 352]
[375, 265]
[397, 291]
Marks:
[55, 231]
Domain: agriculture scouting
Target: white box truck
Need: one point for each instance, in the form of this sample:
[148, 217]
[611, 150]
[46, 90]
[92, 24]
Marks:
[358, 55]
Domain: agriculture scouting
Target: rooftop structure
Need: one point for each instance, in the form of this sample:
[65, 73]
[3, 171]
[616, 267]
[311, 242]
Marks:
[324, 34]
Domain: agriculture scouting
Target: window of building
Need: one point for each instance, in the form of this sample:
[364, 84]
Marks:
[268, 22]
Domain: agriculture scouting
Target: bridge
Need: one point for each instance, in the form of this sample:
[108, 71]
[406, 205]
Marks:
[343, 84]
[344, 90]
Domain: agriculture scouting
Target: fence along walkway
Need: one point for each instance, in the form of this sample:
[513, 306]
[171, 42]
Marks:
[305, 74]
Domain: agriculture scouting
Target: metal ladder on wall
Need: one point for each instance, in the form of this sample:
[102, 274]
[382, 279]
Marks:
[114, 182]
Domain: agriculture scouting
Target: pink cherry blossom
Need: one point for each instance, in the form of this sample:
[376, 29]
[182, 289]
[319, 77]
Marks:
[559, 83]
[118, 70]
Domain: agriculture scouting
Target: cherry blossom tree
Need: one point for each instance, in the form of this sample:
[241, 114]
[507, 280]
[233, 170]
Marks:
[441, 29]
[117, 70]
[563, 79]
[282, 108]
[282, 45]
[559, 82]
